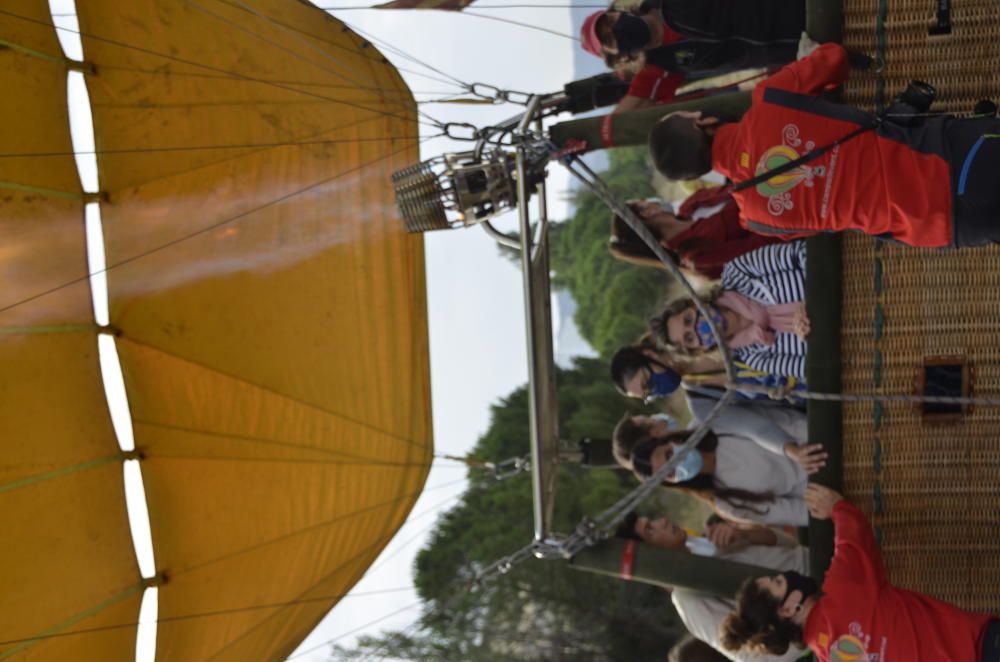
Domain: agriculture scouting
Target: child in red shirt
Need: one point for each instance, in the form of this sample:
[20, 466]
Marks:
[857, 615]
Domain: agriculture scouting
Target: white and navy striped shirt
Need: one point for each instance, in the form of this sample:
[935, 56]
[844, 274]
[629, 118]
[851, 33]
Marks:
[769, 275]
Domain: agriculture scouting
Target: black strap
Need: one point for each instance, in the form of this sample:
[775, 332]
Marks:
[805, 158]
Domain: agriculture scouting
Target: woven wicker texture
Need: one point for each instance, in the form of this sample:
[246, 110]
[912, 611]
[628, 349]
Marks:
[932, 490]
[961, 65]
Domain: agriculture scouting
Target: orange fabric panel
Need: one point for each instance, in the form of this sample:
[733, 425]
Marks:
[61, 491]
[73, 547]
[273, 310]
[43, 242]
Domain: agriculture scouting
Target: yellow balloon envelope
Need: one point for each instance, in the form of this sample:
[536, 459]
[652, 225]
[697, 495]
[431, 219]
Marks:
[272, 319]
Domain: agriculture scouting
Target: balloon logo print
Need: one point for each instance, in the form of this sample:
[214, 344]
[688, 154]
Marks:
[848, 649]
[776, 157]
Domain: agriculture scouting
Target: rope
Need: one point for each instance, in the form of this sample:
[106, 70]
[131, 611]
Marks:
[478, 6]
[780, 393]
[200, 148]
[521, 24]
[231, 74]
[207, 229]
[299, 37]
[207, 614]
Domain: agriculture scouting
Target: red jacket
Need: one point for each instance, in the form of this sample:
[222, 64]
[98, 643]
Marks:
[860, 616]
[891, 182]
[712, 241]
[654, 84]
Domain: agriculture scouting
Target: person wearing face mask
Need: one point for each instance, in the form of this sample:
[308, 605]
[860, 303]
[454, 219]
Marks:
[697, 40]
[858, 614]
[702, 614]
[703, 234]
[643, 372]
[759, 309]
[741, 480]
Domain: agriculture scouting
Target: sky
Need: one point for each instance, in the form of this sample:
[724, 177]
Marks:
[475, 304]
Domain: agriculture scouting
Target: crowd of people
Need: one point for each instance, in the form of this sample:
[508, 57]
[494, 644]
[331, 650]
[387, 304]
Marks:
[796, 164]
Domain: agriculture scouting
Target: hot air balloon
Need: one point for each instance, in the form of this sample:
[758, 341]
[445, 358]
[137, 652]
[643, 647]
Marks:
[268, 310]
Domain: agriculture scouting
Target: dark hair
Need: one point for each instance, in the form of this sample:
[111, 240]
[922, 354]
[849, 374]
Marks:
[624, 244]
[626, 529]
[690, 649]
[679, 149]
[756, 625]
[641, 464]
[625, 436]
[626, 362]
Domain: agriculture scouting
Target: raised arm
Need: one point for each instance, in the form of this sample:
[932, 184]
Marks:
[826, 68]
[856, 556]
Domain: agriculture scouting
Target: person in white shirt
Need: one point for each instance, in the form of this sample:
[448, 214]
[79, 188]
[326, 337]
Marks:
[742, 479]
[703, 614]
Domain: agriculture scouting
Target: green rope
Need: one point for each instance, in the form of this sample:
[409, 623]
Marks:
[64, 471]
[877, 456]
[877, 414]
[883, 12]
[877, 497]
[877, 368]
[73, 620]
[60, 328]
[878, 274]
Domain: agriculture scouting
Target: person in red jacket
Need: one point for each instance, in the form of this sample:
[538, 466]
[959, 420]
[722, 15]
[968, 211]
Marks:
[925, 183]
[650, 86]
[858, 615]
[704, 233]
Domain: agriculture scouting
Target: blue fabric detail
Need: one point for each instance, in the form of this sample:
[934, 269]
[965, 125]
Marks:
[968, 163]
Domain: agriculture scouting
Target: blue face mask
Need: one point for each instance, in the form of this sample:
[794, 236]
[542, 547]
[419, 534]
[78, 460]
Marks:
[704, 331]
[690, 466]
[662, 384]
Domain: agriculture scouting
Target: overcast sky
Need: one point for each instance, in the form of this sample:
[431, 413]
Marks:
[475, 305]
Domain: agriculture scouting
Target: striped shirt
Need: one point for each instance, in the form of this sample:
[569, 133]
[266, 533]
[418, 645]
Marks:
[769, 275]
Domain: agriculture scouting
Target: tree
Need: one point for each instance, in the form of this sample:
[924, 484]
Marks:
[541, 610]
[615, 299]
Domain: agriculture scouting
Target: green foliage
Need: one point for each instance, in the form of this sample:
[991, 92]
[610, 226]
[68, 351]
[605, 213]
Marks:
[615, 299]
[541, 610]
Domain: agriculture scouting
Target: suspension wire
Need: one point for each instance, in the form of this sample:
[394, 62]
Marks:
[233, 610]
[208, 614]
[197, 74]
[436, 508]
[780, 393]
[200, 148]
[231, 74]
[300, 38]
[213, 226]
[357, 629]
[521, 24]
[339, 518]
[392, 48]
[298, 56]
[478, 6]
[461, 463]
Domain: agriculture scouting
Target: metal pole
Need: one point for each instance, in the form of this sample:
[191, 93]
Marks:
[666, 568]
[524, 218]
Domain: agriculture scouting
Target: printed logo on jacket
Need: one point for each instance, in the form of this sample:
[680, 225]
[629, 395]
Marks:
[854, 647]
[778, 189]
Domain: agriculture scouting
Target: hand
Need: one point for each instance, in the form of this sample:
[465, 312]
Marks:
[723, 535]
[800, 322]
[806, 46]
[810, 457]
[820, 500]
